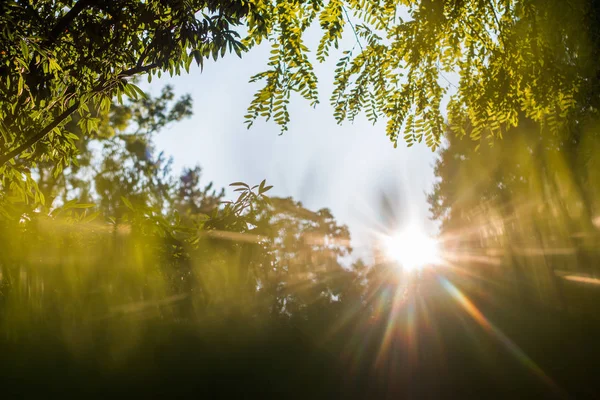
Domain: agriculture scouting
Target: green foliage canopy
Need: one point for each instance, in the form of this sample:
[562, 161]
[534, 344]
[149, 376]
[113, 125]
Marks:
[512, 58]
[58, 58]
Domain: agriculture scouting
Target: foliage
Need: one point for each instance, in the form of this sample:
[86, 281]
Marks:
[526, 207]
[513, 59]
[100, 243]
[64, 57]
[119, 160]
[304, 251]
[170, 248]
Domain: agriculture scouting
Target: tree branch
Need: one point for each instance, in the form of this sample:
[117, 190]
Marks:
[138, 70]
[58, 29]
[4, 158]
[68, 18]
[35, 138]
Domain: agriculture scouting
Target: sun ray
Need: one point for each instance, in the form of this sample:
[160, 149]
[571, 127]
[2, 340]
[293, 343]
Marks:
[493, 330]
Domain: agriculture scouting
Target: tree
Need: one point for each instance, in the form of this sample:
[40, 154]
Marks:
[302, 270]
[119, 157]
[62, 57]
[522, 209]
[513, 59]
[191, 200]
[189, 241]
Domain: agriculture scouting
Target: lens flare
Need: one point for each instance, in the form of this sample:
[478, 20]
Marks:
[493, 330]
[412, 248]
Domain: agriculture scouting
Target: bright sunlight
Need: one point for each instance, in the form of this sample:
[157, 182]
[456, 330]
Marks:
[412, 248]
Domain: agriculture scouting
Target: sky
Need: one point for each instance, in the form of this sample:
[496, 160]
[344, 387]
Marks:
[349, 169]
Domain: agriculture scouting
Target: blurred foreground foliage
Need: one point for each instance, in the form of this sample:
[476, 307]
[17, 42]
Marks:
[116, 256]
[118, 233]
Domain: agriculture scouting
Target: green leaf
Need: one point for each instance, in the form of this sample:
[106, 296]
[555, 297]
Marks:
[127, 202]
[90, 217]
[239, 184]
[83, 205]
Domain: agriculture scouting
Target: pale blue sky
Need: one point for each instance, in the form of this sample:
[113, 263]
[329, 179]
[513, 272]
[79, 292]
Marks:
[345, 168]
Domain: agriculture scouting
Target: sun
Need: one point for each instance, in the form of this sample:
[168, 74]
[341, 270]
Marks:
[412, 248]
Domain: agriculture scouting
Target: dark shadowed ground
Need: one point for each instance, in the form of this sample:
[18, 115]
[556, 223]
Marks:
[432, 346]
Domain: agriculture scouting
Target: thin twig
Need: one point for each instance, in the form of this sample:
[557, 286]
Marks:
[494, 14]
[353, 28]
[65, 21]
[444, 76]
